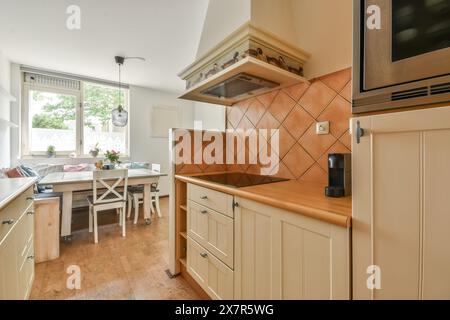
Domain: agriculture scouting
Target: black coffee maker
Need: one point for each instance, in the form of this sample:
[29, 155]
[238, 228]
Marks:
[339, 175]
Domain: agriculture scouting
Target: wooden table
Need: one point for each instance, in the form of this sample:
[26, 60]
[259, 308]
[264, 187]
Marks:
[69, 182]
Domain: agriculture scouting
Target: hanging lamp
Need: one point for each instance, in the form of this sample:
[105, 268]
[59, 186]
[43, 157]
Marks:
[119, 115]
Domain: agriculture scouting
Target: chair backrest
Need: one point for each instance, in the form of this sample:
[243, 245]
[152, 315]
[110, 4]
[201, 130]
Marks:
[156, 167]
[111, 180]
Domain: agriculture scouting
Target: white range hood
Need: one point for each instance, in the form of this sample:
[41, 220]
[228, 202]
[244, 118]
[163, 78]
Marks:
[247, 63]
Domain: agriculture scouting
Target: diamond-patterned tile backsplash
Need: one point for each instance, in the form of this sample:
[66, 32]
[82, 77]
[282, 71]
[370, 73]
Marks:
[295, 111]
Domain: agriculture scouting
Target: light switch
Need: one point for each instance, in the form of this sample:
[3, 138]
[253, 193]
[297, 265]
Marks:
[323, 127]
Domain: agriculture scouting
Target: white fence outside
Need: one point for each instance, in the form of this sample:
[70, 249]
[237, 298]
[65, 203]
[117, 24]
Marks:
[64, 140]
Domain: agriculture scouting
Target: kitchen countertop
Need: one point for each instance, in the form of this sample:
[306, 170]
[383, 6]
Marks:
[11, 188]
[305, 198]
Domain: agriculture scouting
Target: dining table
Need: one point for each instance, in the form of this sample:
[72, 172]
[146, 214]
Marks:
[69, 182]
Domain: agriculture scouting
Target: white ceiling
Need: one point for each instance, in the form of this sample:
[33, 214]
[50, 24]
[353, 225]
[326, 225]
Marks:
[165, 32]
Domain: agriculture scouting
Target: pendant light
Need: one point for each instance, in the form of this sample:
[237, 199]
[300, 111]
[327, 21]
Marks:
[119, 116]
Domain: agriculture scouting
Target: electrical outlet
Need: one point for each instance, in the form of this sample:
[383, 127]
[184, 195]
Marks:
[323, 127]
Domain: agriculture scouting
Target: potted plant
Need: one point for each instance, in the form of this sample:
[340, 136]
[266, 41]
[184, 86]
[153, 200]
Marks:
[94, 151]
[51, 151]
[112, 157]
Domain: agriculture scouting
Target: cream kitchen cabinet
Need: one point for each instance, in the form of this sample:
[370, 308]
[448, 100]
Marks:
[209, 272]
[212, 230]
[401, 201]
[210, 241]
[16, 247]
[284, 255]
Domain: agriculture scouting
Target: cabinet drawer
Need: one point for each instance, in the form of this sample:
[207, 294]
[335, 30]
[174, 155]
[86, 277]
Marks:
[23, 234]
[212, 230]
[12, 212]
[209, 272]
[26, 273]
[221, 202]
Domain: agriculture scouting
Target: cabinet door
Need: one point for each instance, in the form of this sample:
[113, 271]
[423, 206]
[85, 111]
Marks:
[209, 272]
[392, 184]
[436, 220]
[9, 281]
[212, 230]
[284, 255]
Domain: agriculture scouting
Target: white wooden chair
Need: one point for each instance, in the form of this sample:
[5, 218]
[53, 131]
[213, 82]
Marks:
[136, 197]
[113, 198]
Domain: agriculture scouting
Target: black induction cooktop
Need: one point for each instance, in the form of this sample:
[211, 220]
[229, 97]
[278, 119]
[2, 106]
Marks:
[239, 180]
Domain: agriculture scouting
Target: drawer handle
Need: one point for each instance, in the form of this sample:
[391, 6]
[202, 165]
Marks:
[30, 257]
[203, 255]
[204, 197]
[30, 213]
[204, 211]
[30, 198]
[9, 221]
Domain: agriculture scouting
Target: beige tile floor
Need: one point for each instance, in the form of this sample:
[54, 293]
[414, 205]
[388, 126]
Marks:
[116, 268]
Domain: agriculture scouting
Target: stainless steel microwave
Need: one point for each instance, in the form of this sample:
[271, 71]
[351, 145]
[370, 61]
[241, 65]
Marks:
[401, 54]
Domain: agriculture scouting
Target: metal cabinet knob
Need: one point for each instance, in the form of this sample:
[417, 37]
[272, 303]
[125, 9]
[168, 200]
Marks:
[9, 221]
[30, 257]
[30, 213]
[204, 211]
[204, 197]
[30, 198]
[203, 255]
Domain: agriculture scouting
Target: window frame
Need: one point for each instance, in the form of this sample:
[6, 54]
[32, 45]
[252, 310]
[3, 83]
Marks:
[25, 133]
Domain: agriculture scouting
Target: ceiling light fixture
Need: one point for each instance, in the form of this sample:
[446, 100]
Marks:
[119, 115]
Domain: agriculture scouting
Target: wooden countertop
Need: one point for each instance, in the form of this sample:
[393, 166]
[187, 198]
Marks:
[11, 188]
[305, 198]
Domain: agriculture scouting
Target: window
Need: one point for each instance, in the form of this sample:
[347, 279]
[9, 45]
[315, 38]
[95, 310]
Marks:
[98, 129]
[71, 115]
[53, 121]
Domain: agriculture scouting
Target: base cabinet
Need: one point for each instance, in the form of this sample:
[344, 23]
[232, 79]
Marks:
[209, 272]
[284, 255]
[401, 205]
[16, 248]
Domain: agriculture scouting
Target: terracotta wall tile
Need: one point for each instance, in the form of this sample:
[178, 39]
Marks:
[255, 111]
[315, 174]
[346, 93]
[283, 172]
[286, 141]
[298, 121]
[315, 144]
[338, 114]
[337, 80]
[267, 99]
[234, 116]
[298, 160]
[303, 153]
[346, 140]
[317, 98]
[268, 121]
[281, 106]
[297, 91]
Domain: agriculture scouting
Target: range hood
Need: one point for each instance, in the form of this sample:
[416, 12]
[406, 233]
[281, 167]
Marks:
[248, 63]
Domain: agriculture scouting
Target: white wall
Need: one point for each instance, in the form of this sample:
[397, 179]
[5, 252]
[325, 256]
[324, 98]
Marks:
[211, 115]
[5, 83]
[222, 18]
[143, 146]
[324, 29]
[276, 17]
